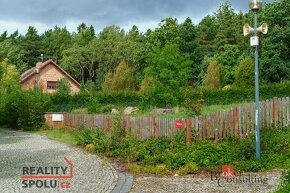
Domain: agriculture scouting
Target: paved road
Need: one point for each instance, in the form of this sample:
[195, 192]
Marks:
[19, 150]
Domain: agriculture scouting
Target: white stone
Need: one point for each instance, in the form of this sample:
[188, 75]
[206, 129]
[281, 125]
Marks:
[114, 111]
[130, 110]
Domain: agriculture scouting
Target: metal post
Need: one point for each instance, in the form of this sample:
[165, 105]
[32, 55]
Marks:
[36, 85]
[257, 117]
[36, 80]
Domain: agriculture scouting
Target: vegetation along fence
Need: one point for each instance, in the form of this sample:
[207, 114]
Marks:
[238, 122]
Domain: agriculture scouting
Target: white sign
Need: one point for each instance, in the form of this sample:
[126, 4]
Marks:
[57, 117]
[254, 41]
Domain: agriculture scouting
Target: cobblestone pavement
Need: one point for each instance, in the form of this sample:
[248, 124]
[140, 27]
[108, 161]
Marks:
[204, 184]
[21, 149]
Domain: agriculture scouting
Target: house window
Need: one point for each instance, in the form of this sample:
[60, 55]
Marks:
[51, 84]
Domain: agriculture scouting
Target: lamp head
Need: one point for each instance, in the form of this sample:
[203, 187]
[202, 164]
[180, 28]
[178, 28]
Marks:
[255, 4]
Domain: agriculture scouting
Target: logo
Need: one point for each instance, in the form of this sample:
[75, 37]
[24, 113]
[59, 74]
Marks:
[48, 177]
[228, 171]
[229, 176]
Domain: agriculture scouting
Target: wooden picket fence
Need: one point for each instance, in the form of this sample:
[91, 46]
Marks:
[238, 122]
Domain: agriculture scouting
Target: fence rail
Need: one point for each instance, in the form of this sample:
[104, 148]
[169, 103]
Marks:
[238, 121]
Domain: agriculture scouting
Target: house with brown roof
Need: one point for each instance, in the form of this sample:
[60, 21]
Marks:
[46, 75]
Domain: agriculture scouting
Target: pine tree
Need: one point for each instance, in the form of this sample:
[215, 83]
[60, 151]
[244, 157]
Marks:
[227, 30]
[189, 45]
[32, 46]
[207, 30]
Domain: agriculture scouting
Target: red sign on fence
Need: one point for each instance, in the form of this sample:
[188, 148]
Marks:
[179, 124]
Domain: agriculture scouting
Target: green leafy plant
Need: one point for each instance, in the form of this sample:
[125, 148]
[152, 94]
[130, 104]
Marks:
[163, 155]
[24, 109]
[161, 169]
[188, 168]
[134, 168]
[285, 184]
[193, 108]
[167, 75]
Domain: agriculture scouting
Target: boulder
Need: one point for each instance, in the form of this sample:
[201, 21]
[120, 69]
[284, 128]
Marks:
[130, 110]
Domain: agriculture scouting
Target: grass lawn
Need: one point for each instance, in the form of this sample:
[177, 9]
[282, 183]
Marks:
[178, 112]
[214, 108]
[63, 135]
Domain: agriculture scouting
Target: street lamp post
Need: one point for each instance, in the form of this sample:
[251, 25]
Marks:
[257, 117]
[36, 80]
[255, 5]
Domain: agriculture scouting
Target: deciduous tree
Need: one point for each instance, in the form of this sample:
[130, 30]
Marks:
[169, 71]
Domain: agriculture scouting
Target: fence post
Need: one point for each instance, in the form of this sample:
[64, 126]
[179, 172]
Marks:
[92, 121]
[236, 121]
[188, 133]
[64, 120]
[109, 121]
[154, 131]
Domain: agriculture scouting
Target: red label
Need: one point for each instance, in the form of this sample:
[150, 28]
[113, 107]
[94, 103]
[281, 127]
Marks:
[179, 124]
[228, 171]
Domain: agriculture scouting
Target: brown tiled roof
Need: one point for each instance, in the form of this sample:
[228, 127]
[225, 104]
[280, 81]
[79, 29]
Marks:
[26, 73]
[41, 65]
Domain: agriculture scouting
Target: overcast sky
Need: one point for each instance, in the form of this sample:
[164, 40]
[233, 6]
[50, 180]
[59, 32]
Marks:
[45, 14]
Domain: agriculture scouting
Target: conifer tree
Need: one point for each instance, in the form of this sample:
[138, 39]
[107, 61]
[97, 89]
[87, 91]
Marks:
[212, 79]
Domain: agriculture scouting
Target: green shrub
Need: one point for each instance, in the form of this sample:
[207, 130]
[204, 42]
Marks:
[245, 73]
[93, 136]
[161, 155]
[239, 95]
[249, 165]
[90, 147]
[149, 169]
[128, 98]
[188, 168]
[134, 168]
[161, 170]
[284, 187]
[233, 94]
[24, 109]
[100, 109]
[213, 77]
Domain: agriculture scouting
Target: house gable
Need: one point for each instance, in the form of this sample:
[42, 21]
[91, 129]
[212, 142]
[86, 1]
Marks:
[49, 74]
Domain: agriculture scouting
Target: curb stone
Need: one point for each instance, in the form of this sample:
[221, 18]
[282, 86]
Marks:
[124, 184]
